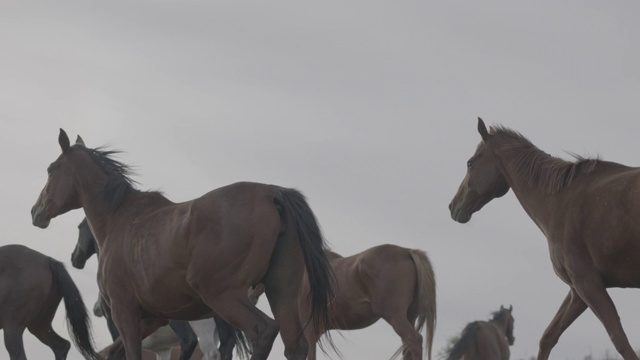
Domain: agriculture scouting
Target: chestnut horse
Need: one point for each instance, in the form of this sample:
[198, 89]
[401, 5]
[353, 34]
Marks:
[587, 209]
[388, 282]
[31, 288]
[486, 340]
[162, 260]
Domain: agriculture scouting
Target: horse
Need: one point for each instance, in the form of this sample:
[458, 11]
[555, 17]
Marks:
[161, 342]
[586, 208]
[162, 260]
[486, 340]
[389, 282]
[31, 288]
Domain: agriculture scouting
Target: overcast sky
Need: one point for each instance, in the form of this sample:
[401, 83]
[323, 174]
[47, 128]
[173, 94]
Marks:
[369, 108]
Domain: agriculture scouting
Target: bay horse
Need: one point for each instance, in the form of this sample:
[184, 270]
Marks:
[386, 281]
[587, 209]
[186, 334]
[31, 288]
[486, 340]
[162, 260]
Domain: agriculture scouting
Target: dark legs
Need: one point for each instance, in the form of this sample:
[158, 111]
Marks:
[188, 339]
[235, 308]
[13, 342]
[45, 333]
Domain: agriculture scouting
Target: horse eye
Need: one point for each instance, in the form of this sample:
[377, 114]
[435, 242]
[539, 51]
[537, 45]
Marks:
[469, 164]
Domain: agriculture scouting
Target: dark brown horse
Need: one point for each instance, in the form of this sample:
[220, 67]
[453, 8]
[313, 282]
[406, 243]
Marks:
[31, 288]
[388, 282]
[161, 260]
[188, 334]
[486, 340]
[588, 210]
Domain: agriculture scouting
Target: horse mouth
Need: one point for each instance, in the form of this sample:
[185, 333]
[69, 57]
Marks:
[77, 263]
[39, 220]
[460, 215]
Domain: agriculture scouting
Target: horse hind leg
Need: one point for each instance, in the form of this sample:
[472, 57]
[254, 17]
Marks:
[596, 297]
[13, 342]
[234, 307]
[45, 333]
[411, 338]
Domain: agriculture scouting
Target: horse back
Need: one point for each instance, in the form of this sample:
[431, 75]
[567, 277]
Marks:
[212, 237]
[365, 282]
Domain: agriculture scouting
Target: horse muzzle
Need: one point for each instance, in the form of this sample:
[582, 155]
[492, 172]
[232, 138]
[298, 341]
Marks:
[459, 214]
[38, 218]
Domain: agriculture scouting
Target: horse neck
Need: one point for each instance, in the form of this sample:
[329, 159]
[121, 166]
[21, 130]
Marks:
[535, 200]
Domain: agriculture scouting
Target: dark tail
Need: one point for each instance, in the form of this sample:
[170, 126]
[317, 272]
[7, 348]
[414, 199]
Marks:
[467, 339]
[77, 319]
[321, 278]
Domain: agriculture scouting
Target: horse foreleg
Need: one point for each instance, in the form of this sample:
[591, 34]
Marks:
[13, 342]
[592, 291]
[133, 329]
[572, 307]
[186, 335]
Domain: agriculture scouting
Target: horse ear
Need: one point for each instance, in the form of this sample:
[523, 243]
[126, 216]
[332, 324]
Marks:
[501, 307]
[63, 140]
[510, 308]
[482, 129]
[80, 141]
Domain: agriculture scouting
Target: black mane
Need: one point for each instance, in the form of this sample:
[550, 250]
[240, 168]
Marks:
[119, 181]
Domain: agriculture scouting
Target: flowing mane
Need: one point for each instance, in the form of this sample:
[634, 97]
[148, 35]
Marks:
[119, 180]
[537, 168]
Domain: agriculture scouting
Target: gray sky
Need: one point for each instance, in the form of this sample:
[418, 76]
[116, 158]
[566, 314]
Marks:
[369, 108]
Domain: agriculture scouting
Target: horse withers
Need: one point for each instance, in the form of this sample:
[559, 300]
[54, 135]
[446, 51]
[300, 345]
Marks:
[486, 340]
[162, 260]
[588, 211]
[31, 288]
[384, 282]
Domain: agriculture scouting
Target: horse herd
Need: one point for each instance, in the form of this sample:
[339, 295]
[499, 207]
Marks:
[210, 258]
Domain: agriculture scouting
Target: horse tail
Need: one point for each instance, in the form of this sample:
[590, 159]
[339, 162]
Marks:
[426, 296]
[467, 339]
[77, 319]
[312, 243]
